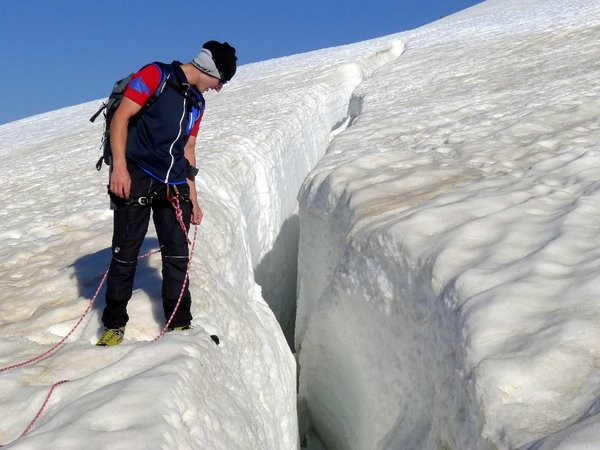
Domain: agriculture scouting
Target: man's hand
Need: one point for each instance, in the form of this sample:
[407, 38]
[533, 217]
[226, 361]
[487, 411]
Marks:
[120, 182]
[196, 213]
[190, 154]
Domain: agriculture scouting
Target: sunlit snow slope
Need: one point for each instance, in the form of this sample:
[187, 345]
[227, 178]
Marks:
[449, 261]
[259, 139]
[447, 268]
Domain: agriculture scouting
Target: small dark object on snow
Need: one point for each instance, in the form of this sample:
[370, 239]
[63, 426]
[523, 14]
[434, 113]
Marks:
[215, 338]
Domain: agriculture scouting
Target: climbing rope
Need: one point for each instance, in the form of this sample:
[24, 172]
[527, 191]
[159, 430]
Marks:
[56, 346]
[174, 200]
[179, 214]
[39, 413]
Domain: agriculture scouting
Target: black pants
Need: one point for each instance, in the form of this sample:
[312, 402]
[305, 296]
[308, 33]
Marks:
[131, 221]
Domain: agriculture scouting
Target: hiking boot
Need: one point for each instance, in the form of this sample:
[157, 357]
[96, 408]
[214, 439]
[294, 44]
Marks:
[181, 328]
[111, 336]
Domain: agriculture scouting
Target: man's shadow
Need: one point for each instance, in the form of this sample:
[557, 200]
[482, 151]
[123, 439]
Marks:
[90, 269]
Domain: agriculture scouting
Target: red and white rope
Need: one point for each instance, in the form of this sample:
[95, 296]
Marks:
[179, 214]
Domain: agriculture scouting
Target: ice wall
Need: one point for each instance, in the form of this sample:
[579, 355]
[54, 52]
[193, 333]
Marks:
[446, 254]
[302, 102]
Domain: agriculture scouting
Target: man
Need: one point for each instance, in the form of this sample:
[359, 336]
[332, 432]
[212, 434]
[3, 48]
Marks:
[153, 140]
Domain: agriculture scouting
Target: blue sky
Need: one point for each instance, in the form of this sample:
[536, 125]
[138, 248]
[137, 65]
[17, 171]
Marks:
[58, 53]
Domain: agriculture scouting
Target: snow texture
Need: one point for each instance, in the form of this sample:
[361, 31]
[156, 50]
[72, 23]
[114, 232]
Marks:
[448, 249]
[442, 185]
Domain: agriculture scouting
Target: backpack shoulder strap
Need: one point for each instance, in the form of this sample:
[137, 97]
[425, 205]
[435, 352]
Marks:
[165, 74]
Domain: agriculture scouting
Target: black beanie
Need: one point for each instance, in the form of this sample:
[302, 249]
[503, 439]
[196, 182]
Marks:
[224, 57]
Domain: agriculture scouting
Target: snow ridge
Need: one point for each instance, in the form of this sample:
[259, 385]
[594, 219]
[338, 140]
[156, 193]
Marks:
[445, 265]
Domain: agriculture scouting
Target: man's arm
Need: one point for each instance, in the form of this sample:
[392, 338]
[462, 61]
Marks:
[190, 155]
[120, 181]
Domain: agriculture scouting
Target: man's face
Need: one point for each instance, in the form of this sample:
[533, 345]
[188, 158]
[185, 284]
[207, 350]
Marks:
[212, 83]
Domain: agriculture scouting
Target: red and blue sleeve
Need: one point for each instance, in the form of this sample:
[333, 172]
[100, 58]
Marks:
[143, 84]
[196, 127]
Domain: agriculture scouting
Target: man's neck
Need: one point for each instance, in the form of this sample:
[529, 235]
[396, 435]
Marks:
[193, 77]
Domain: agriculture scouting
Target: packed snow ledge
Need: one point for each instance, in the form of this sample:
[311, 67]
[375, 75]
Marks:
[447, 268]
[449, 256]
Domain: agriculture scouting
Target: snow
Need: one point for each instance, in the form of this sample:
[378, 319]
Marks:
[436, 194]
[454, 300]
